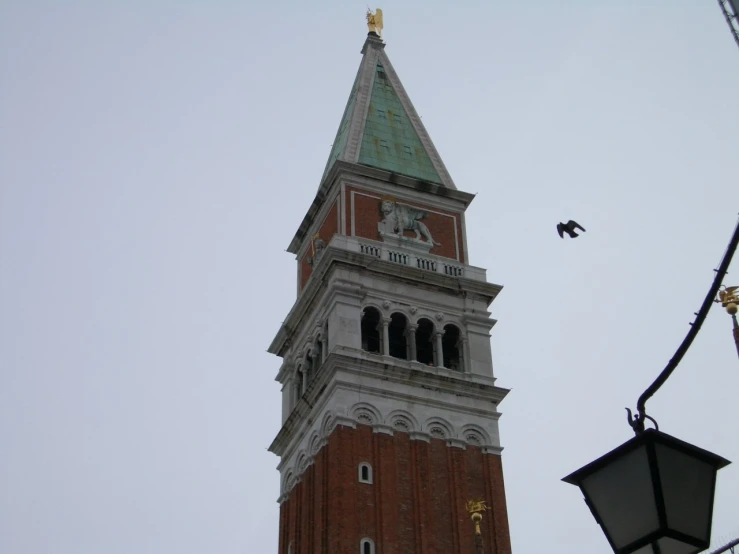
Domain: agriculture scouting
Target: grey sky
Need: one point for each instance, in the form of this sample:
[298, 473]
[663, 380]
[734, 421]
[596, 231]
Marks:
[157, 157]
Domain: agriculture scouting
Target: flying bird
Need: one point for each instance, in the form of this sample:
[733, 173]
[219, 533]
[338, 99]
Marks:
[569, 228]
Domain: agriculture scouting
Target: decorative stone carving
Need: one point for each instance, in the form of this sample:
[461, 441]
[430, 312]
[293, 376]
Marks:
[365, 417]
[302, 464]
[437, 431]
[413, 310]
[290, 482]
[386, 304]
[398, 218]
[439, 317]
[318, 247]
[401, 424]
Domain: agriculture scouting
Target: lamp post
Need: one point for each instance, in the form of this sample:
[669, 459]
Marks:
[654, 493]
[729, 299]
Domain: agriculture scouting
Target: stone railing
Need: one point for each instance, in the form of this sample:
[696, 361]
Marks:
[401, 256]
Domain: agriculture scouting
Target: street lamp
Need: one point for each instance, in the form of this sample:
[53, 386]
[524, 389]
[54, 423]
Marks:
[654, 493]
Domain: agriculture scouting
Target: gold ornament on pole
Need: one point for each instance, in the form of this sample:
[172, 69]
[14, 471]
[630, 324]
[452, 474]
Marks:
[475, 509]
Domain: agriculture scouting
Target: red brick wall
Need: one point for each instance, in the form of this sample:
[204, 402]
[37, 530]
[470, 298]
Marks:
[328, 229]
[367, 215]
[416, 503]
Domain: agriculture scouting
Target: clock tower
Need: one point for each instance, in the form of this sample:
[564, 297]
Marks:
[389, 404]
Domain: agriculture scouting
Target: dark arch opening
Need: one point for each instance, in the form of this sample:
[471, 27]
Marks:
[424, 342]
[450, 347]
[371, 330]
[308, 369]
[298, 384]
[396, 335]
[317, 356]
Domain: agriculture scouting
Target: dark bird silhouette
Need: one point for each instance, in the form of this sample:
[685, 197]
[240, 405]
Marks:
[569, 228]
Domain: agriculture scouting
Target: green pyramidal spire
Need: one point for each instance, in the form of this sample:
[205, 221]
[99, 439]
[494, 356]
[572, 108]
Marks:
[380, 127]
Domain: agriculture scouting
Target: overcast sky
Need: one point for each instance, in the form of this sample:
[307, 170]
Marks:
[156, 158]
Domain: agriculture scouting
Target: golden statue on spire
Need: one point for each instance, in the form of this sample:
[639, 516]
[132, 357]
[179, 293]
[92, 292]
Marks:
[374, 21]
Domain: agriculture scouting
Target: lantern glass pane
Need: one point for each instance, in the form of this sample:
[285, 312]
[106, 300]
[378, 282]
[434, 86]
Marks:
[622, 495]
[687, 487]
[645, 550]
[674, 546]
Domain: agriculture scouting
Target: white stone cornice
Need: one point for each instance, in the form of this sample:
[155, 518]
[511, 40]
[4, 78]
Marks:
[420, 436]
[473, 397]
[345, 422]
[403, 188]
[315, 436]
[383, 429]
[482, 319]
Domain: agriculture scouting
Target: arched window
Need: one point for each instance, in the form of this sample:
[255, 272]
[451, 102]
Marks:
[425, 342]
[371, 330]
[365, 473]
[450, 346]
[396, 334]
[366, 546]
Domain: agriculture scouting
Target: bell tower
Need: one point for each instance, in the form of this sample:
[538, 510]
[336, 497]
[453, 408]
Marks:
[389, 403]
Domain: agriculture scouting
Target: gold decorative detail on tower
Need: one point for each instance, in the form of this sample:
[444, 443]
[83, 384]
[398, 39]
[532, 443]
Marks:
[374, 21]
[317, 246]
[475, 508]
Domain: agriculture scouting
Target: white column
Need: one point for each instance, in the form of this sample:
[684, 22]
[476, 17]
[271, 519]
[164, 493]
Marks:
[412, 260]
[411, 338]
[463, 357]
[439, 349]
[287, 398]
[386, 336]
[304, 379]
[297, 388]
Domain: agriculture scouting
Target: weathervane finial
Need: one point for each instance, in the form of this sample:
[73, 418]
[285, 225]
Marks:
[374, 21]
